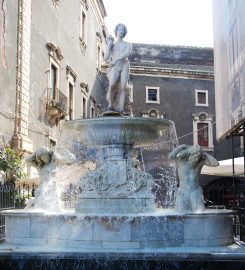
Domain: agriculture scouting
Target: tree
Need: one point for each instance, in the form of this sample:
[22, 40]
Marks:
[11, 165]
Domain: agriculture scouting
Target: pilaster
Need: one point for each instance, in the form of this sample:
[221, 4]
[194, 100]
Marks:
[21, 141]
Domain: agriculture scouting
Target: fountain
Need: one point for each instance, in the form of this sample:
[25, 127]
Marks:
[115, 210]
[115, 207]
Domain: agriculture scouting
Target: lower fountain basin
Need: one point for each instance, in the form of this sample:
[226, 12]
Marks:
[136, 131]
[123, 232]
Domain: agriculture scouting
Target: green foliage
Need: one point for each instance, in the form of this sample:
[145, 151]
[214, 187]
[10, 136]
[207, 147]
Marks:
[20, 202]
[11, 164]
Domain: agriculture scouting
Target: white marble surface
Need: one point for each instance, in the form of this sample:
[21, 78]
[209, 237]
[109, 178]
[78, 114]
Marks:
[159, 230]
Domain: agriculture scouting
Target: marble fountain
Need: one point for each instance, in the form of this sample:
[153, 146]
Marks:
[115, 208]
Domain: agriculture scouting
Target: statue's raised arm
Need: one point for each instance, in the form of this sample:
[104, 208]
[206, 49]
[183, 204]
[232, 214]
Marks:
[108, 50]
[116, 56]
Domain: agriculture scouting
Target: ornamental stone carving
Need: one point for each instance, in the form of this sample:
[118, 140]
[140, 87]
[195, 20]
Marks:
[115, 179]
[54, 51]
[84, 4]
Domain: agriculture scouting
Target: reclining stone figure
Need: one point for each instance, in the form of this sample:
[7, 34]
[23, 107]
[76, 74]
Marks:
[189, 161]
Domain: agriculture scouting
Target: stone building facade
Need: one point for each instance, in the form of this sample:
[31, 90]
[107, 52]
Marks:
[177, 83]
[229, 44]
[51, 53]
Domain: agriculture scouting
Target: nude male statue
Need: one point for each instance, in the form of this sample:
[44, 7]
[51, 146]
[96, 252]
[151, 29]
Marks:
[116, 55]
[189, 161]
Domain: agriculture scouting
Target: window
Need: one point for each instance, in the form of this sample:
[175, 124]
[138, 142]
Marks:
[70, 103]
[71, 79]
[84, 99]
[53, 80]
[83, 26]
[92, 107]
[55, 57]
[201, 97]
[203, 130]
[84, 107]
[56, 106]
[92, 112]
[98, 61]
[202, 134]
[152, 95]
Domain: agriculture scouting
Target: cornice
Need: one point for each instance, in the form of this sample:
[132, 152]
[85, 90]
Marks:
[171, 46]
[171, 73]
[84, 87]
[84, 4]
[54, 51]
[69, 71]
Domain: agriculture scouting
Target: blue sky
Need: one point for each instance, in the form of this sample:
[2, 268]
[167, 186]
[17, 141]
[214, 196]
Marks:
[168, 22]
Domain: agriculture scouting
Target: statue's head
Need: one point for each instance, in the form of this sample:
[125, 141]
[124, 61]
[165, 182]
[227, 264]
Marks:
[196, 155]
[120, 29]
[41, 157]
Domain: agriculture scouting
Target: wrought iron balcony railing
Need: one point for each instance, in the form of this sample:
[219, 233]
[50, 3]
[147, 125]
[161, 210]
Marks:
[57, 99]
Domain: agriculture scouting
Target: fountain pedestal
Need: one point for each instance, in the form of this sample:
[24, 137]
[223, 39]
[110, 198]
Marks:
[116, 187]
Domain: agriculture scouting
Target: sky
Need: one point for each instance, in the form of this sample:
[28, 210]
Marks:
[166, 22]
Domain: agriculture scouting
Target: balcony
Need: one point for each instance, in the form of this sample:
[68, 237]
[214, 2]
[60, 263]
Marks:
[56, 105]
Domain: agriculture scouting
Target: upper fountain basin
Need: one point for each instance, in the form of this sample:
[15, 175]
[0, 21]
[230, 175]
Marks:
[135, 131]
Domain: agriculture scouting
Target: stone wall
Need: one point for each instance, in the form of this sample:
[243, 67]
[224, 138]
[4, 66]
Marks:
[8, 45]
[33, 33]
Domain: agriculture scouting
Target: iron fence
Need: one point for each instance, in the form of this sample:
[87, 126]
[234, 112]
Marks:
[242, 224]
[23, 193]
[239, 223]
[7, 202]
[12, 197]
[230, 194]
